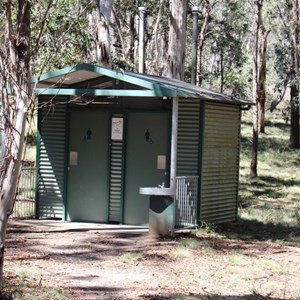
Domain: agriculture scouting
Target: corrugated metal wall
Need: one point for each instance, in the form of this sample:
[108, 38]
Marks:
[51, 165]
[220, 163]
[189, 126]
[188, 137]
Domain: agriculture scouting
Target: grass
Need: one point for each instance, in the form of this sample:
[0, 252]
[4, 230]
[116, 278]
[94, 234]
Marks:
[25, 287]
[190, 243]
[180, 252]
[273, 197]
[269, 205]
[131, 257]
[271, 264]
[237, 259]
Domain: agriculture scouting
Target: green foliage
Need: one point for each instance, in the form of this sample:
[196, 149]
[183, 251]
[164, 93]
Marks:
[66, 37]
[121, 64]
[224, 54]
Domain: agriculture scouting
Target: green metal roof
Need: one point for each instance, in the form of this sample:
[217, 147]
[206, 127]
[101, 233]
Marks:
[65, 82]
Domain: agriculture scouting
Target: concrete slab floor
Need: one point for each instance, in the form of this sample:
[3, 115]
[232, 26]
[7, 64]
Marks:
[58, 225]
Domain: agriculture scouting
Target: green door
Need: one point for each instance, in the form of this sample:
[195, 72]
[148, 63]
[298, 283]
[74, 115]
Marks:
[88, 167]
[147, 161]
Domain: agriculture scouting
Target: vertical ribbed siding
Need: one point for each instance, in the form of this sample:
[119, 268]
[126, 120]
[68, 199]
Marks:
[188, 137]
[51, 172]
[220, 163]
[116, 179]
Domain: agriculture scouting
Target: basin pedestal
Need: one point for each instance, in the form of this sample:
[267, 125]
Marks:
[161, 215]
[161, 210]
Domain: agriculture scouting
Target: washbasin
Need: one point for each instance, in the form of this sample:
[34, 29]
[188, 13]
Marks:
[157, 191]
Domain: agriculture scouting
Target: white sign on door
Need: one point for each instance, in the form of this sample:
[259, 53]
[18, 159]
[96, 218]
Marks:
[117, 129]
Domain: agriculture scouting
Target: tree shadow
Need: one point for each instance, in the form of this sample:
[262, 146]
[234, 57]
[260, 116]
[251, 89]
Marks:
[256, 230]
[268, 186]
[253, 296]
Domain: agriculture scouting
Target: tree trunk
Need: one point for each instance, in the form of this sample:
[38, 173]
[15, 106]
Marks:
[132, 39]
[254, 151]
[293, 8]
[262, 70]
[221, 72]
[294, 131]
[103, 53]
[177, 39]
[202, 41]
[15, 66]
[158, 50]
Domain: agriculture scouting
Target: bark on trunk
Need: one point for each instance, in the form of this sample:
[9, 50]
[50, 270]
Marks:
[202, 41]
[293, 8]
[221, 72]
[158, 50]
[103, 52]
[254, 150]
[263, 37]
[294, 131]
[177, 39]
[14, 109]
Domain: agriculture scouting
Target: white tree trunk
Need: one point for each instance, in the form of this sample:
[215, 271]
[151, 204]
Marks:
[103, 39]
[14, 63]
[177, 39]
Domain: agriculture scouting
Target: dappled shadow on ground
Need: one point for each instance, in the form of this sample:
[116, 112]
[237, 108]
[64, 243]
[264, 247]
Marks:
[208, 297]
[253, 229]
[87, 265]
[268, 124]
[96, 245]
[264, 181]
[16, 289]
[269, 187]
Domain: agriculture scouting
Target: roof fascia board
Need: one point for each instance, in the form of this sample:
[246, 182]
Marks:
[107, 93]
[159, 90]
[56, 73]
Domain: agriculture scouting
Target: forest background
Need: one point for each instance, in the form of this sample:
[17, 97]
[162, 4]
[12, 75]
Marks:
[247, 49]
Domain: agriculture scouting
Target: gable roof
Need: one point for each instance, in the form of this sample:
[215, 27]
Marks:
[67, 81]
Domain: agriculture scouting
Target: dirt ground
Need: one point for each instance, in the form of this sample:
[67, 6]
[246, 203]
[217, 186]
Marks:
[116, 264]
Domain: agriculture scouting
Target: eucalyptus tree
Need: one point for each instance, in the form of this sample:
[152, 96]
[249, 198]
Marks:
[284, 17]
[224, 51]
[14, 79]
[259, 76]
[124, 33]
[36, 35]
[62, 33]
[103, 52]
[207, 7]
[294, 23]
[125, 40]
[177, 39]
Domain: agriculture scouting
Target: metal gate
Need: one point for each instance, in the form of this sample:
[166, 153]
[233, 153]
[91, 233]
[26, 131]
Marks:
[25, 201]
[186, 202]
